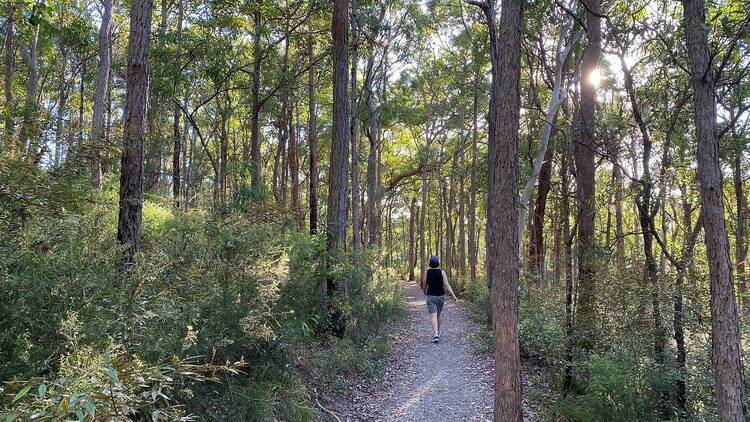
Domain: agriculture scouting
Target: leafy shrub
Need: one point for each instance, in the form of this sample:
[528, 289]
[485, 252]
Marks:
[616, 391]
[106, 386]
[236, 287]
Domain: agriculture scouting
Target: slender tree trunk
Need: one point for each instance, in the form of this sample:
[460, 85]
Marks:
[176, 136]
[223, 154]
[98, 121]
[739, 231]
[422, 241]
[354, 132]
[536, 250]
[62, 99]
[372, 137]
[473, 237]
[294, 169]
[255, 106]
[413, 213]
[106, 161]
[81, 103]
[462, 226]
[8, 74]
[586, 179]
[567, 238]
[28, 130]
[338, 174]
[284, 135]
[646, 214]
[556, 244]
[131, 177]
[619, 224]
[686, 258]
[724, 328]
[312, 136]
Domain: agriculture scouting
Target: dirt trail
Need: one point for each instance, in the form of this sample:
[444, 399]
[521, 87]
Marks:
[423, 381]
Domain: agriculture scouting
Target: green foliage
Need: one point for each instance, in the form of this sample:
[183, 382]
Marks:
[616, 391]
[540, 331]
[108, 385]
[235, 288]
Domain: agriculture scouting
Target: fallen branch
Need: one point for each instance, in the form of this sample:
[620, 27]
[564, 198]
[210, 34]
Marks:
[330, 412]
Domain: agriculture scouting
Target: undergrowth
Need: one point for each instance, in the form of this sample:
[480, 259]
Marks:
[217, 320]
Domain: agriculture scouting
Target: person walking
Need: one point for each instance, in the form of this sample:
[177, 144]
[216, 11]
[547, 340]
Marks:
[434, 284]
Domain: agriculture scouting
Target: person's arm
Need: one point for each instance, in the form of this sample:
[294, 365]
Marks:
[423, 281]
[447, 286]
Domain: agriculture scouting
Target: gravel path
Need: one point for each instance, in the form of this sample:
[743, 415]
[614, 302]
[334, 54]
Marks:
[423, 381]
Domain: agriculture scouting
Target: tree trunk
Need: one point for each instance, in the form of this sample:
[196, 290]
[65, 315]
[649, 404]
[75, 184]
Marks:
[294, 170]
[646, 214]
[136, 92]
[255, 105]
[338, 174]
[725, 334]
[28, 129]
[372, 137]
[413, 212]
[81, 102]
[567, 238]
[98, 121]
[503, 203]
[354, 132]
[8, 75]
[536, 250]
[473, 238]
[62, 89]
[223, 153]
[619, 230]
[176, 136]
[739, 231]
[422, 241]
[586, 180]
[312, 136]
[462, 226]
[686, 258]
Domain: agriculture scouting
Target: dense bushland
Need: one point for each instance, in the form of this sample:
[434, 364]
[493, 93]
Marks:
[619, 380]
[217, 318]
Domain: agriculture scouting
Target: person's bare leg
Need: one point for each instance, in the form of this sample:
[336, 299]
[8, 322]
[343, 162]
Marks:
[439, 322]
[435, 323]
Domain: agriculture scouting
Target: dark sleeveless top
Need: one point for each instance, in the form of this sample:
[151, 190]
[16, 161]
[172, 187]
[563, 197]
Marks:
[435, 282]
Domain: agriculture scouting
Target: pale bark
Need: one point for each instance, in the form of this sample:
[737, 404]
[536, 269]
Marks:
[176, 135]
[8, 74]
[30, 57]
[98, 121]
[559, 95]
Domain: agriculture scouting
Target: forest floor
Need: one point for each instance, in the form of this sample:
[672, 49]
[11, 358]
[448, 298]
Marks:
[448, 381]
